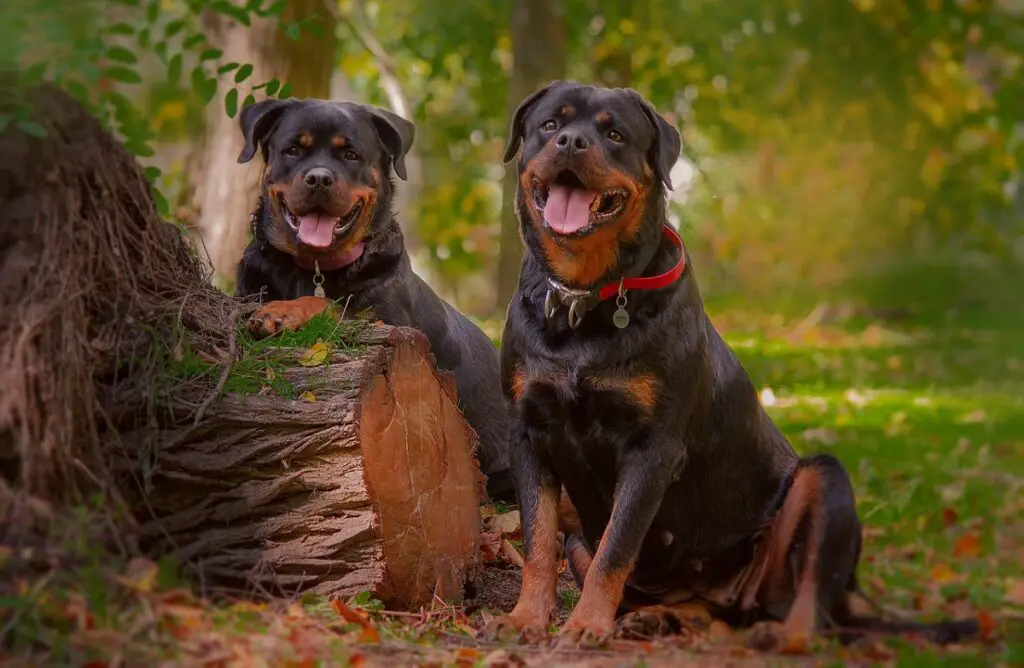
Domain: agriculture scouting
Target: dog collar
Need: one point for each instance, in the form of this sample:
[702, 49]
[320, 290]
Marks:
[580, 301]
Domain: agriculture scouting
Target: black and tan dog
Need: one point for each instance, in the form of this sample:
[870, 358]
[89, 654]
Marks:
[622, 392]
[324, 230]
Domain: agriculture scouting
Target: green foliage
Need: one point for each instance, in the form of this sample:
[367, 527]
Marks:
[97, 52]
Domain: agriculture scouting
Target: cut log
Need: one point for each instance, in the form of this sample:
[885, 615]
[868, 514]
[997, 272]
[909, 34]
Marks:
[368, 482]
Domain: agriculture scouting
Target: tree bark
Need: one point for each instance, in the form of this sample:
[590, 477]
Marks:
[539, 55]
[373, 486]
[224, 191]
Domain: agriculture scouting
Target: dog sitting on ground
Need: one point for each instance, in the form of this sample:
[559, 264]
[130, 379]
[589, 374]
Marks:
[680, 487]
[324, 230]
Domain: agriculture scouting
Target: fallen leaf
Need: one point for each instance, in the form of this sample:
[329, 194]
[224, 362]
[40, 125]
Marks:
[969, 545]
[949, 517]
[974, 417]
[269, 374]
[942, 574]
[986, 626]
[308, 397]
[511, 553]
[368, 632]
[315, 355]
[490, 546]
[505, 523]
[487, 510]
[1015, 592]
[140, 575]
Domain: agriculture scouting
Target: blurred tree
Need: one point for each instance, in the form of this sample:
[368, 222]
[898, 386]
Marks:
[225, 192]
[539, 55]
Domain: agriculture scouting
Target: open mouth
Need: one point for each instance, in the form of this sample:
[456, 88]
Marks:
[317, 228]
[569, 208]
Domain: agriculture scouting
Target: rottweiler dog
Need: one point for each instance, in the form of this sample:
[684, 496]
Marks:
[678, 487]
[324, 230]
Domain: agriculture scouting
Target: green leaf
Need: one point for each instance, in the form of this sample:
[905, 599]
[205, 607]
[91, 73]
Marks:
[276, 9]
[143, 38]
[211, 54]
[198, 78]
[249, 99]
[160, 49]
[121, 29]
[286, 91]
[208, 91]
[153, 11]
[273, 86]
[174, 69]
[35, 73]
[173, 28]
[123, 74]
[231, 102]
[224, 69]
[152, 172]
[294, 31]
[193, 41]
[243, 73]
[119, 54]
[139, 147]
[77, 90]
[30, 128]
[163, 207]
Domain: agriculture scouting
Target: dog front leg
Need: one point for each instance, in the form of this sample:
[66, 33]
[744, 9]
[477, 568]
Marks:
[538, 490]
[287, 315]
[639, 489]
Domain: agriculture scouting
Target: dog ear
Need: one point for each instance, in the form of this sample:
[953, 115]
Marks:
[256, 121]
[397, 135]
[517, 132]
[667, 143]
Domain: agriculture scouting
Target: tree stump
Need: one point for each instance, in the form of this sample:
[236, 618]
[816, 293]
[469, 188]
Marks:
[369, 485]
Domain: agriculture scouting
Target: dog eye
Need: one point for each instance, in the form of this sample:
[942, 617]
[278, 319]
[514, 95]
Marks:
[350, 155]
[616, 136]
[292, 151]
[549, 126]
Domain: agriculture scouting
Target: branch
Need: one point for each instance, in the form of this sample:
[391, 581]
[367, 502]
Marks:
[362, 31]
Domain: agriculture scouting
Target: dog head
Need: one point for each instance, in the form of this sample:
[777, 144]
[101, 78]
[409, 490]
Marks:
[593, 167]
[327, 175]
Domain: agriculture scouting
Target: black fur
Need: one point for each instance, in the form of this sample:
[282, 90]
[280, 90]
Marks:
[680, 493]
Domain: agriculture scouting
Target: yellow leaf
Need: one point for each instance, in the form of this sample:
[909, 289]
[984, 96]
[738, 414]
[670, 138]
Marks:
[140, 575]
[308, 396]
[315, 356]
[270, 374]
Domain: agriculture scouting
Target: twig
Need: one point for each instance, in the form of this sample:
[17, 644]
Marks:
[226, 371]
[808, 323]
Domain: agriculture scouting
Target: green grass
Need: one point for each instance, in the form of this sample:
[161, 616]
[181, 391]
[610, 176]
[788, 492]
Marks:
[262, 362]
[929, 419]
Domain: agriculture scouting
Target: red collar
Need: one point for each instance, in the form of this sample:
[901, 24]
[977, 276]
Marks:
[579, 301]
[650, 282]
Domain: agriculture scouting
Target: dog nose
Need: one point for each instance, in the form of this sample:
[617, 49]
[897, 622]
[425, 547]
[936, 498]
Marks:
[572, 141]
[318, 177]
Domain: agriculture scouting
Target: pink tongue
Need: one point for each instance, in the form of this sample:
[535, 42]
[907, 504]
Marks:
[568, 209]
[317, 230]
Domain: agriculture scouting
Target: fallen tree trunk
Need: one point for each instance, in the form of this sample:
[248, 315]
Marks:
[347, 474]
[367, 484]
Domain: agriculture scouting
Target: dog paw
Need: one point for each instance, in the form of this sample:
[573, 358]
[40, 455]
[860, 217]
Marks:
[578, 633]
[663, 620]
[511, 626]
[286, 315]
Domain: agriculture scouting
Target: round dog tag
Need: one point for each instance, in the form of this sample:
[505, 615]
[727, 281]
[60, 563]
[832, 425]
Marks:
[620, 318]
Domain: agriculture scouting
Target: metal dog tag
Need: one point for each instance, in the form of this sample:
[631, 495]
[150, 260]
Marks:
[621, 317]
[318, 281]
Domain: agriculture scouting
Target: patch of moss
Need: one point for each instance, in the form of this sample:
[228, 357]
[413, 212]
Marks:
[262, 363]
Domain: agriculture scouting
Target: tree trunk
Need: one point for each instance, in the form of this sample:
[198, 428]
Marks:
[539, 53]
[371, 486]
[225, 192]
